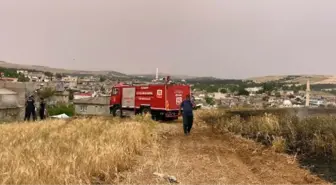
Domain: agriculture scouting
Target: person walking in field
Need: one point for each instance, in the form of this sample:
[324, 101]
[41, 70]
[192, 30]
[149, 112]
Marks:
[187, 115]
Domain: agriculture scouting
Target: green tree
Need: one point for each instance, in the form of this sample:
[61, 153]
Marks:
[58, 75]
[22, 78]
[223, 90]
[209, 100]
[11, 73]
[102, 79]
[268, 87]
[46, 92]
[71, 95]
[48, 74]
[243, 92]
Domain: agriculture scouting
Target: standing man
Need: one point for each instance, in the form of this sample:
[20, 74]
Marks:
[30, 108]
[26, 111]
[42, 109]
[188, 116]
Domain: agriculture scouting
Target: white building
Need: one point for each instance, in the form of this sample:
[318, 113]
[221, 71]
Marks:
[253, 89]
[218, 96]
[287, 103]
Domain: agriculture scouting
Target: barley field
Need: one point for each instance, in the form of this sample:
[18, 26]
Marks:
[81, 151]
[100, 150]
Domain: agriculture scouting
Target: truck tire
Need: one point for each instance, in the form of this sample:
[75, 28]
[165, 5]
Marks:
[145, 111]
[116, 111]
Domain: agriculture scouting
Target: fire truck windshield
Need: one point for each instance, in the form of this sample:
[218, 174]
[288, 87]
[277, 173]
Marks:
[115, 91]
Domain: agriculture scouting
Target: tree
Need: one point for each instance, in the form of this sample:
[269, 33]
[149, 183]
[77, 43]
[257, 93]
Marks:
[48, 74]
[265, 98]
[291, 96]
[261, 91]
[58, 75]
[268, 87]
[46, 92]
[102, 78]
[243, 92]
[22, 78]
[209, 100]
[71, 95]
[224, 91]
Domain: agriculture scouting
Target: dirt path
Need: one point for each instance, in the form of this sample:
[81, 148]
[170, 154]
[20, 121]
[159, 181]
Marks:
[208, 158]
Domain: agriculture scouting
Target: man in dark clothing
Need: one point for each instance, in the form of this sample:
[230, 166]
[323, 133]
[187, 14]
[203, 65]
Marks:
[26, 112]
[42, 109]
[30, 109]
[188, 116]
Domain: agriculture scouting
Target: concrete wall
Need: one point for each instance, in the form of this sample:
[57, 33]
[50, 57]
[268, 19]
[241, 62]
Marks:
[11, 114]
[86, 109]
[60, 97]
[22, 88]
[93, 106]
[100, 100]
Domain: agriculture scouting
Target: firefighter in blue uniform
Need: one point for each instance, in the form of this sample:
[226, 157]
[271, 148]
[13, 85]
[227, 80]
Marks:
[187, 115]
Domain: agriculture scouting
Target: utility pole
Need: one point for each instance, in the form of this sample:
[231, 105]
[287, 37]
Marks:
[307, 93]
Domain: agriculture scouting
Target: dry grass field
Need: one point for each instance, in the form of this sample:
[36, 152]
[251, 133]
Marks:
[315, 135]
[81, 151]
[129, 151]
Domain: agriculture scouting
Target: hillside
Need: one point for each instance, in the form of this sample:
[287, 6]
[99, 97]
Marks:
[301, 79]
[161, 75]
[130, 151]
[59, 70]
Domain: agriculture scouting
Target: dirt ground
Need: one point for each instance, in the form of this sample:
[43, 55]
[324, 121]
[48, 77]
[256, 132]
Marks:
[208, 158]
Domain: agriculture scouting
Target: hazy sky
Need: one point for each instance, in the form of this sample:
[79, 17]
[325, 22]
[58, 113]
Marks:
[222, 38]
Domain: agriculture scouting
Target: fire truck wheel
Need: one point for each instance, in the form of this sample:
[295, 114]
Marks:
[146, 111]
[116, 111]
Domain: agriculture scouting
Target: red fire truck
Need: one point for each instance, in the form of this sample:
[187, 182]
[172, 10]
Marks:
[161, 100]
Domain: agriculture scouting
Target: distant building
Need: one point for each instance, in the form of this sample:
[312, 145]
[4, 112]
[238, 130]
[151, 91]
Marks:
[9, 79]
[218, 96]
[253, 89]
[287, 103]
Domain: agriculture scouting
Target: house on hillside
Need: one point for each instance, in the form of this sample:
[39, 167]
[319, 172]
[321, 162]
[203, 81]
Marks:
[93, 106]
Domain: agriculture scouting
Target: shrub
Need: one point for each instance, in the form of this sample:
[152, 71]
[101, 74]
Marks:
[60, 109]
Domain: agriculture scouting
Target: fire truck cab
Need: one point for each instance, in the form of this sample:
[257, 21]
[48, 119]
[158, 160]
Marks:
[162, 101]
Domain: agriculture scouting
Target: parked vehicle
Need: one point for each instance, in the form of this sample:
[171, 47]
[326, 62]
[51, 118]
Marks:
[160, 100]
